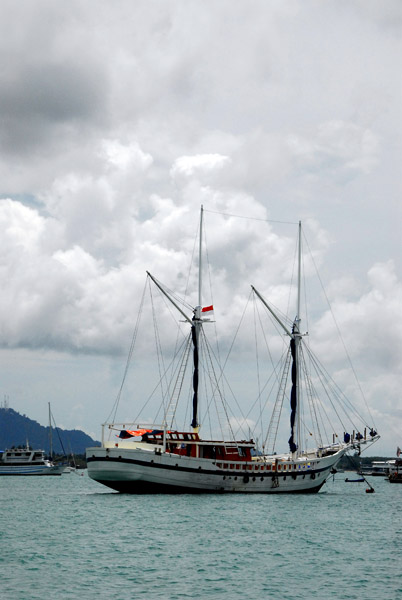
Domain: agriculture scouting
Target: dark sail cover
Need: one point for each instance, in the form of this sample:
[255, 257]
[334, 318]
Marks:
[194, 422]
[293, 397]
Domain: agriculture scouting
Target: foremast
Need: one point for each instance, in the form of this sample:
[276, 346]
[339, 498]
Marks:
[294, 440]
[196, 326]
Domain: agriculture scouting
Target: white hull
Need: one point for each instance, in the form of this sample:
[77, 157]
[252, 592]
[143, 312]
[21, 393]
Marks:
[31, 470]
[137, 470]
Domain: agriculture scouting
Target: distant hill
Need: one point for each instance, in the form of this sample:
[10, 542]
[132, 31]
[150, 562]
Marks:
[16, 429]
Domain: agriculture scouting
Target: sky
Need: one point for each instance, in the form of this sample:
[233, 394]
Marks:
[120, 119]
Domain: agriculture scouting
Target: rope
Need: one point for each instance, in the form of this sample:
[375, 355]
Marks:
[133, 340]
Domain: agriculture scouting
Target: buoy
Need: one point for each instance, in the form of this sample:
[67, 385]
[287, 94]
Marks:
[370, 491]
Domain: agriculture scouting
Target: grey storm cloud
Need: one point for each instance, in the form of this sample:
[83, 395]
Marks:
[37, 101]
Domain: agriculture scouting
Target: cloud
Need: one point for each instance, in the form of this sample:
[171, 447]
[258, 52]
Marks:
[119, 121]
[338, 149]
[190, 165]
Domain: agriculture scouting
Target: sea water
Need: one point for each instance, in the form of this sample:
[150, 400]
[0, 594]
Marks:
[69, 537]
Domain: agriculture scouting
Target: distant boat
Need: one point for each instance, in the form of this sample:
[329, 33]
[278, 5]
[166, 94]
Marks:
[360, 480]
[163, 458]
[68, 467]
[377, 468]
[395, 469]
[25, 461]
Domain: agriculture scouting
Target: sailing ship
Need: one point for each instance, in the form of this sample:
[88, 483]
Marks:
[163, 458]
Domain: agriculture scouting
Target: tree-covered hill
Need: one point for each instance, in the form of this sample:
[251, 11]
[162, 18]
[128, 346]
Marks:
[17, 429]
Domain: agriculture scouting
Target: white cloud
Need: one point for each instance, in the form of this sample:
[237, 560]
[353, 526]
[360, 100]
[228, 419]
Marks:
[119, 121]
[126, 156]
[338, 149]
[190, 165]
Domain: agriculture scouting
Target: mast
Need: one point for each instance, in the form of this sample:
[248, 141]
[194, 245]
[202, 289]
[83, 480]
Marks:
[50, 433]
[200, 258]
[195, 333]
[196, 325]
[294, 440]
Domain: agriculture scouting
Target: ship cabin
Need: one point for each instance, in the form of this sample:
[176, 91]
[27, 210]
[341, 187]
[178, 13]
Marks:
[190, 444]
[23, 456]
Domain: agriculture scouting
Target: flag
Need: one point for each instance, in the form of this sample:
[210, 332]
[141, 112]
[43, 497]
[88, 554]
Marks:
[398, 451]
[207, 309]
[126, 433]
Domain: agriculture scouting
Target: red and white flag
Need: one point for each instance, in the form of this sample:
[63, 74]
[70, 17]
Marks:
[208, 309]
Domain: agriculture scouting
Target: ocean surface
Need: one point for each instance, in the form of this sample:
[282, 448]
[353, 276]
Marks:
[69, 537]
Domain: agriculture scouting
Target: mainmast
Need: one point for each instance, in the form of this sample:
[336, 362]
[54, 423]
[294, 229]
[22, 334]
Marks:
[295, 340]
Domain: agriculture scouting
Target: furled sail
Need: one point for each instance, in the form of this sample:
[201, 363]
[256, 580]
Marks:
[194, 422]
[293, 397]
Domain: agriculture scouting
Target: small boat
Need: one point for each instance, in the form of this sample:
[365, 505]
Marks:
[395, 470]
[165, 457]
[360, 480]
[25, 461]
[378, 468]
